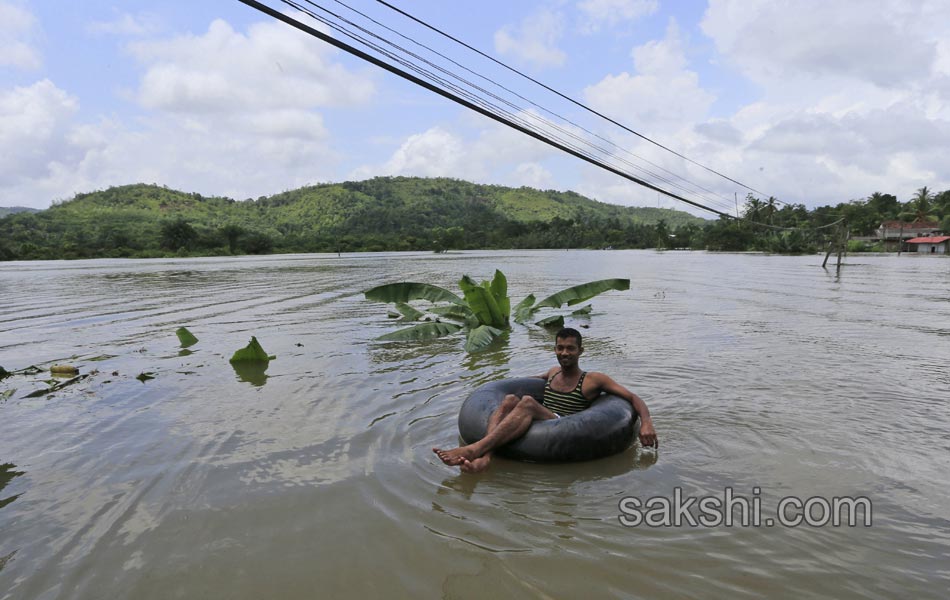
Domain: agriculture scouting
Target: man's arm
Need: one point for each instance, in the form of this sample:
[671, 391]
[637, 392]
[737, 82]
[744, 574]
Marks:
[605, 384]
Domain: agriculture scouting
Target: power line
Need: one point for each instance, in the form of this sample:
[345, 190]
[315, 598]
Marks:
[564, 96]
[519, 110]
[493, 82]
[485, 107]
[468, 104]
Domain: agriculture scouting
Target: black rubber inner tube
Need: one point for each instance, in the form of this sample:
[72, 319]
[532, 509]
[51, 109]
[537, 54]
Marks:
[606, 428]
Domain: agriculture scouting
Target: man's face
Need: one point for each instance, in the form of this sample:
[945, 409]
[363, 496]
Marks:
[567, 351]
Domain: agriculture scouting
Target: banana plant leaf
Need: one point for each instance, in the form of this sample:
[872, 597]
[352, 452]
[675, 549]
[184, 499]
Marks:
[480, 337]
[482, 303]
[406, 291]
[582, 293]
[423, 331]
[408, 312]
[454, 312]
[552, 322]
[499, 289]
[523, 310]
[584, 310]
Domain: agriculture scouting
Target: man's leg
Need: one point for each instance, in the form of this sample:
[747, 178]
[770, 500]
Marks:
[509, 427]
[481, 463]
[452, 457]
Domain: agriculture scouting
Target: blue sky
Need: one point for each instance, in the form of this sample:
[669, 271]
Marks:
[812, 102]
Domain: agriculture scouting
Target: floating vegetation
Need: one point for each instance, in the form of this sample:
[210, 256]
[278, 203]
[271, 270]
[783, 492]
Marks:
[253, 352]
[484, 309]
[145, 376]
[56, 386]
[101, 357]
[185, 337]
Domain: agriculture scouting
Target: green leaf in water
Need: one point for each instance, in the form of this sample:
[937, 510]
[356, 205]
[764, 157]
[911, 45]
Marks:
[499, 289]
[186, 337]
[480, 337]
[482, 302]
[552, 322]
[56, 385]
[423, 331]
[583, 292]
[523, 310]
[409, 313]
[585, 310]
[404, 292]
[145, 376]
[251, 353]
[7, 393]
[453, 312]
[100, 358]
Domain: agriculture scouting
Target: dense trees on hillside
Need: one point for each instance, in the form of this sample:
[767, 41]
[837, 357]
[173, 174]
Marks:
[405, 213]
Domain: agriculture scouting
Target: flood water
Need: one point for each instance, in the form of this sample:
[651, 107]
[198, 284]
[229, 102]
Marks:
[766, 375]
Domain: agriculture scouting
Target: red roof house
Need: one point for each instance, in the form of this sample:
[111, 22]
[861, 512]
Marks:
[939, 244]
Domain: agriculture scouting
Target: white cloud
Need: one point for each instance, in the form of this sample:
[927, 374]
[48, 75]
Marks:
[225, 71]
[889, 44]
[850, 101]
[532, 174]
[434, 153]
[662, 97]
[492, 153]
[33, 123]
[534, 41]
[127, 25]
[224, 113]
[16, 38]
[612, 12]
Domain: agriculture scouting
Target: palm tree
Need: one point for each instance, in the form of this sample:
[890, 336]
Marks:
[920, 207]
[753, 208]
[771, 207]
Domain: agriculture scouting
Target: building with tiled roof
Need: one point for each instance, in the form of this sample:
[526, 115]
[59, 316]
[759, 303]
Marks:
[938, 244]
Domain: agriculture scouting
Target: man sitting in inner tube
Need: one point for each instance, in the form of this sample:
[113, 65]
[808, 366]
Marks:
[568, 390]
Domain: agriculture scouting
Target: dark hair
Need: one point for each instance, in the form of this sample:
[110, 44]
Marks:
[569, 332]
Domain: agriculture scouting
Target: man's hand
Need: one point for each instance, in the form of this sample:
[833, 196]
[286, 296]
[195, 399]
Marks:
[648, 434]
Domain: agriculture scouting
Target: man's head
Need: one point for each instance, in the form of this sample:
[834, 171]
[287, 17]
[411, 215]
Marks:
[567, 347]
[567, 333]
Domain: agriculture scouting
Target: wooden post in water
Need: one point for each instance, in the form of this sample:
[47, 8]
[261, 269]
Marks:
[831, 245]
[842, 245]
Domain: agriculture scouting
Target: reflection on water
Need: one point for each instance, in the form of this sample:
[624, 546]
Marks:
[315, 476]
[7, 473]
[254, 373]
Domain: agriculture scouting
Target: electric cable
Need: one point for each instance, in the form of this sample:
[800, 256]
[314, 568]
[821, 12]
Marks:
[518, 109]
[462, 101]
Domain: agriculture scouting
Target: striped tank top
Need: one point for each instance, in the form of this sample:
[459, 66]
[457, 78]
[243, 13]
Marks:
[565, 403]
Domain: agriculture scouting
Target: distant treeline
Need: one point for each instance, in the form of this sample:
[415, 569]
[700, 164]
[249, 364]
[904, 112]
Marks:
[408, 213]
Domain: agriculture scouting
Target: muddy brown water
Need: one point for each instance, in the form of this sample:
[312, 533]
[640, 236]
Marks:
[769, 378]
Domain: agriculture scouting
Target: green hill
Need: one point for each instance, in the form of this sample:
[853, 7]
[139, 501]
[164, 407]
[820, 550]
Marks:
[386, 213]
[12, 210]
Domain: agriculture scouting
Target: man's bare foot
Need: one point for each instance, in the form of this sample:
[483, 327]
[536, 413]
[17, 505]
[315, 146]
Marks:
[476, 466]
[455, 457]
